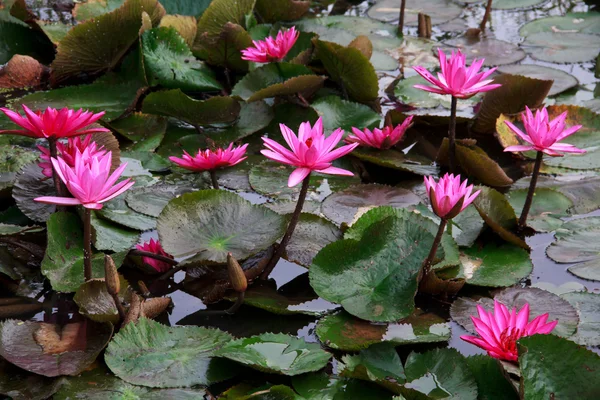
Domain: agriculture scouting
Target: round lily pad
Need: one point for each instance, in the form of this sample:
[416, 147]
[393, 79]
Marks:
[151, 200]
[148, 353]
[347, 205]
[440, 11]
[276, 353]
[339, 113]
[311, 234]
[495, 52]
[562, 80]
[31, 183]
[540, 302]
[581, 22]
[53, 350]
[95, 303]
[562, 47]
[118, 211]
[588, 308]
[548, 205]
[495, 266]
[208, 224]
[342, 331]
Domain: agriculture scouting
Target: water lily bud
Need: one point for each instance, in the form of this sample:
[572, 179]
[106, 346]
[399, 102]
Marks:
[111, 276]
[236, 274]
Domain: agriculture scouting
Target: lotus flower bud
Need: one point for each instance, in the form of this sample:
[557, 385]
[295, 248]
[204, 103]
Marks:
[111, 276]
[239, 283]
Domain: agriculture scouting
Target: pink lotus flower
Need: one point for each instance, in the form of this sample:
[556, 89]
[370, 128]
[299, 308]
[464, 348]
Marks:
[52, 123]
[500, 330]
[449, 196]
[311, 151]
[380, 138]
[207, 160]
[271, 49]
[154, 246]
[88, 180]
[456, 78]
[543, 134]
[67, 152]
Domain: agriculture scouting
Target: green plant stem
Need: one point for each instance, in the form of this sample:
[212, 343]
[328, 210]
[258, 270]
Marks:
[452, 137]
[87, 244]
[213, 178]
[530, 193]
[401, 17]
[152, 255]
[434, 247]
[290, 230]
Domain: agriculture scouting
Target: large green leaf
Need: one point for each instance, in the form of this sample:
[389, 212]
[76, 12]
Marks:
[18, 39]
[253, 117]
[562, 47]
[339, 113]
[148, 353]
[108, 236]
[174, 103]
[375, 278]
[579, 22]
[116, 210]
[151, 200]
[208, 224]
[552, 367]
[311, 234]
[276, 353]
[169, 62]
[491, 382]
[225, 49]
[588, 308]
[548, 205]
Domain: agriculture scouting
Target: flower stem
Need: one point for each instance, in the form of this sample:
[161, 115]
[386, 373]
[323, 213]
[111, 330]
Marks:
[452, 137]
[213, 178]
[401, 17]
[434, 247]
[486, 16]
[290, 230]
[529, 199]
[158, 257]
[58, 185]
[87, 244]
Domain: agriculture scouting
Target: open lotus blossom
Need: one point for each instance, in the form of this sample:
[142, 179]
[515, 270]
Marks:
[154, 246]
[271, 49]
[383, 138]
[206, 160]
[499, 330]
[53, 123]
[449, 196]
[456, 78]
[543, 134]
[88, 180]
[310, 151]
[67, 152]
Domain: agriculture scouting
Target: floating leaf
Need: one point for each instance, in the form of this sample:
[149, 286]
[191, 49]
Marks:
[495, 52]
[579, 22]
[281, 10]
[562, 47]
[321, 386]
[147, 353]
[359, 275]
[510, 4]
[491, 382]
[554, 367]
[276, 353]
[95, 303]
[151, 200]
[548, 205]
[440, 11]
[108, 236]
[406, 93]
[342, 331]
[253, 117]
[144, 130]
[236, 226]
[174, 103]
[117, 211]
[311, 234]
[588, 309]
[562, 80]
[339, 113]
[53, 350]
[21, 385]
[395, 159]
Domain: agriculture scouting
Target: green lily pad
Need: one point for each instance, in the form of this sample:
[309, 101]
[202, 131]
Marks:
[270, 179]
[99, 44]
[18, 384]
[53, 350]
[491, 382]
[339, 113]
[588, 308]
[151, 200]
[359, 275]
[95, 8]
[350, 69]
[148, 353]
[281, 10]
[194, 8]
[511, 4]
[562, 47]
[108, 236]
[562, 80]
[540, 302]
[117, 211]
[95, 303]
[554, 367]
[579, 22]
[395, 159]
[342, 331]
[220, 12]
[169, 62]
[236, 226]
[321, 386]
[440, 373]
[548, 205]
[150, 161]
[9, 229]
[18, 39]
[246, 391]
[252, 118]
[311, 234]
[495, 52]
[144, 130]
[440, 11]
[276, 79]
[176, 104]
[348, 205]
[276, 353]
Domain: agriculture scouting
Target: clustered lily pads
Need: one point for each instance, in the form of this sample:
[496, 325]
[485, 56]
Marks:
[252, 199]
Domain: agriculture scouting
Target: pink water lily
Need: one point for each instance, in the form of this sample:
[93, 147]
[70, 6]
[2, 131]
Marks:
[53, 123]
[209, 159]
[383, 138]
[499, 330]
[449, 196]
[456, 78]
[271, 49]
[543, 134]
[154, 246]
[310, 151]
[89, 180]
[67, 152]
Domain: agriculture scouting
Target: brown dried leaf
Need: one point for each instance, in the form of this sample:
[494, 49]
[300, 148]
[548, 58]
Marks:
[185, 25]
[363, 44]
[70, 338]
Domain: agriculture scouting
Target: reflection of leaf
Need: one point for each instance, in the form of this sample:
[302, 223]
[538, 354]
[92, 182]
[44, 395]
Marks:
[22, 385]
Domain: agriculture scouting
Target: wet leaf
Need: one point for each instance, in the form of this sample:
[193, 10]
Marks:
[311, 234]
[440, 11]
[395, 159]
[321, 386]
[144, 130]
[95, 303]
[225, 49]
[253, 117]
[51, 350]
[562, 47]
[495, 266]
[579, 22]
[339, 113]
[491, 382]
[117, 211]
[562, 80]
[151, 200]
[220, 12]
[237, 226]
[276, 353]
[147, 353]
[588, 309]
[359, 275]
[108, 236]
[21, 385]
[31, 183]
[548, 205]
